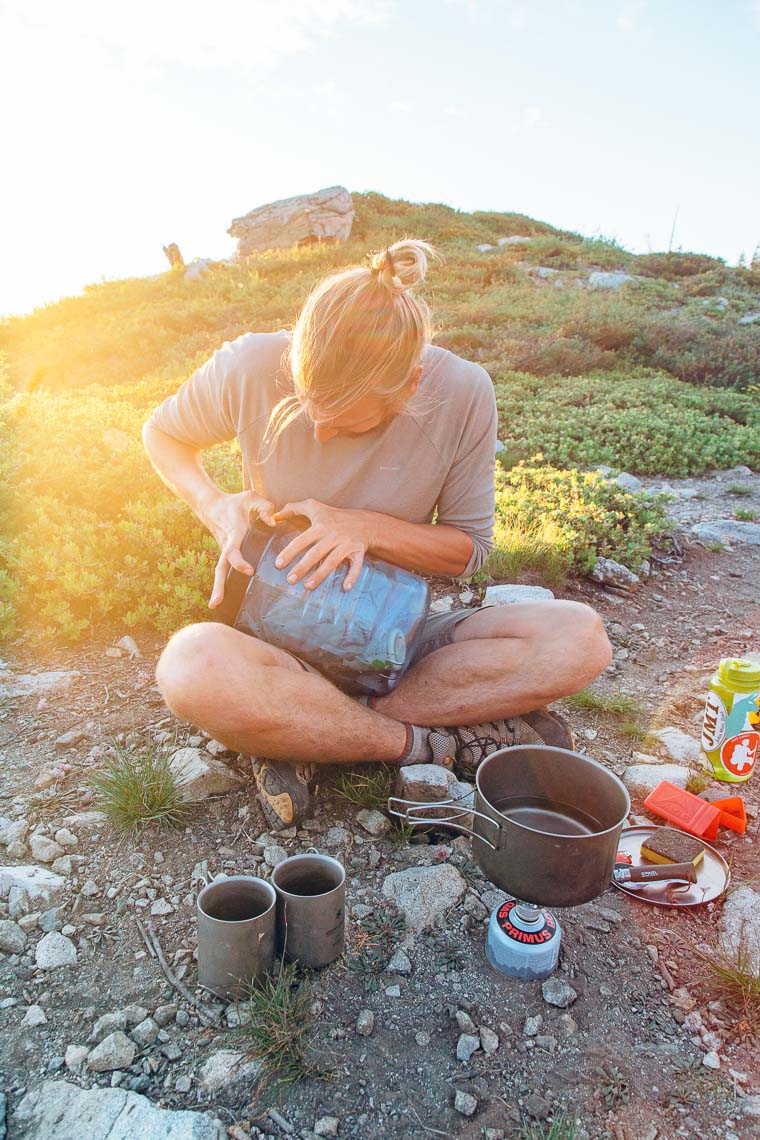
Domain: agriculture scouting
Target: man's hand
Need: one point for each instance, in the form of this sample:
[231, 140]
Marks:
[334, 536]
[228, 520]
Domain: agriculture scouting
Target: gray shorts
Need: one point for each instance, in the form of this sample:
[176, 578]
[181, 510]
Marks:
[437, 631]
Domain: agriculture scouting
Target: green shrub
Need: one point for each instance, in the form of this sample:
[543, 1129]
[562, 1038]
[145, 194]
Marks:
[674, 266]
[700, 350]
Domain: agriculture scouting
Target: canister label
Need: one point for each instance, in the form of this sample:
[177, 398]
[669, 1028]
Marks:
[739, 753]
[714, 728]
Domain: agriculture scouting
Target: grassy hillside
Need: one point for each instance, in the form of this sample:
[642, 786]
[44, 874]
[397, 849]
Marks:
[660, 376]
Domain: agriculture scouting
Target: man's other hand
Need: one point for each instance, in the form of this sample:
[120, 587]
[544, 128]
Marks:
[334, 536]
[228, 521]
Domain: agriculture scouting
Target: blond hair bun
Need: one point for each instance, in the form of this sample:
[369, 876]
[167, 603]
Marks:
[402, 265]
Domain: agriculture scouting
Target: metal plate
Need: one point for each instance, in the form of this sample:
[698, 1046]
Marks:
[713, 873]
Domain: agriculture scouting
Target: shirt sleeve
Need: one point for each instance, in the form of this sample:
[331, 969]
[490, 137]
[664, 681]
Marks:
[467, 498]
[206, 408]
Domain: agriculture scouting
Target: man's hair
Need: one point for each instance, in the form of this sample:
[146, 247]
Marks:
[360, 331]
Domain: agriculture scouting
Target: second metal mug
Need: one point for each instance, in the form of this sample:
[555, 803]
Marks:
[311, 909]
[236, 933]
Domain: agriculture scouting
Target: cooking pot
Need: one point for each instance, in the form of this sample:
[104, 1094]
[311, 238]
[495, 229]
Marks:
[546, 823]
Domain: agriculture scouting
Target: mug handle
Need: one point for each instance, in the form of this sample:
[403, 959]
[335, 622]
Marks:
[409, 809]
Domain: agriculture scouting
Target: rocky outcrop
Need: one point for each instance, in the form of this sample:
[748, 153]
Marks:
[325, 216]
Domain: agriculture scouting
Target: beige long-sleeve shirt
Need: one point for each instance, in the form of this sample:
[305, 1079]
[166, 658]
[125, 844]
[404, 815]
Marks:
[436, 458]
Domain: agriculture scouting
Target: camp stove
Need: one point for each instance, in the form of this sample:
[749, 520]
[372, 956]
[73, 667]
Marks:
[523, 940]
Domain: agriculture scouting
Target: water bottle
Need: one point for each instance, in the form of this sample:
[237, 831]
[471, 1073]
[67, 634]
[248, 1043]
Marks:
[362, 639]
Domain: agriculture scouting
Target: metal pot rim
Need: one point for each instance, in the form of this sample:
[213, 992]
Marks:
[517, 748]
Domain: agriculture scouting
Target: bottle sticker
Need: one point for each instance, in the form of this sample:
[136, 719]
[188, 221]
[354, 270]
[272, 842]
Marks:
[714, 728]
[739, 753]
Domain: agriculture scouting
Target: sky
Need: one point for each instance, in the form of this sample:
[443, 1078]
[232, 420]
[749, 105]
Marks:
[128, 126]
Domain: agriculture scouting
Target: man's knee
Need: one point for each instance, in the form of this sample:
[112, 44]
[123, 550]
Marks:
[590, 638]
[192, 660]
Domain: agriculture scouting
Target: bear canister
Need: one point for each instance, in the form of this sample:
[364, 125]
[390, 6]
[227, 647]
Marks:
[731, 729]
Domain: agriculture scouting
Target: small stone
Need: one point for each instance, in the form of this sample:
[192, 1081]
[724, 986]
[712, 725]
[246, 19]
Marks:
[374, 822]
[507, 594]
[134, 1014]
[567, 1024]
[145, 1033]
[558, 992]
[393, 991]
[75, 1057]
[13, 831]
[171, 1051]
[164, 1014]
[711, 1060]
[466, 1046]
[89, 888]
[95, 918]
[628, 482]
[399, 963]
[608, 572]
[64, 865]
[532, 1025]
[71, 738]
[161, 907]
[465, 1022]
[275, 855]
[609, 279]
[107, 1024]
[114, 1052]
[740, 925]
[327, 1126]
[12, 937]
[129, 645]
[50, 920]
[423, 894]
[680, 747]
[641, 779]
[442, 605]
[365, 1023]
[55, 951]
[489, 1040]
[66, 838]
[183, 1085]
[43, 849]
[200, 775]
[465, 1103]
[35, 1015]
[29, 922]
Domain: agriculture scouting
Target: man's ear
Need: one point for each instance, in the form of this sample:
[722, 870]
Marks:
[414, 381]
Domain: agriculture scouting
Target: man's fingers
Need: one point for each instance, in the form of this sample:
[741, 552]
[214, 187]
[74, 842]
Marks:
[264, 510]
[297, 545]
[231, 554]
[304, 508]
[312, 558]
[220, 578]
[356, 561]
[328, 566]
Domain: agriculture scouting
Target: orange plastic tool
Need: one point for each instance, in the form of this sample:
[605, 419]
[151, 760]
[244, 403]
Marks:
[732, 813]
[695, 815]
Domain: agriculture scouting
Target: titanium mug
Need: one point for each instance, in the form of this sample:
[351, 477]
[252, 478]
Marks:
[236, 934]
[311, 909]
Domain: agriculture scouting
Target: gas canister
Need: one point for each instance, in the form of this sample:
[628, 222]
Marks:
[731, 729]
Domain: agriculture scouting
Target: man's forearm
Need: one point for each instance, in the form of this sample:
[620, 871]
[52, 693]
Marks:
[422, 547]
[181, 468]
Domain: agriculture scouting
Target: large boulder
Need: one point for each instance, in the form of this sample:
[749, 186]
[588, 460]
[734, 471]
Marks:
[58, 1110]
[728, 531]
[326, 215]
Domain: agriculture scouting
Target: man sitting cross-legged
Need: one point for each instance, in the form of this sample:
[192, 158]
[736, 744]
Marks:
[358, 424]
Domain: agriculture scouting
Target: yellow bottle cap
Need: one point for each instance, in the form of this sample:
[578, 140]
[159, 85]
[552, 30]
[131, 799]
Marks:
[740, 673]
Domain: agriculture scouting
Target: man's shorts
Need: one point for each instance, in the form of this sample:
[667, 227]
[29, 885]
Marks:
[437, 632]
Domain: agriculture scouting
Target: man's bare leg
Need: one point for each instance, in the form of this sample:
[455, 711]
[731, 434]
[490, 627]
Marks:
[258, 699]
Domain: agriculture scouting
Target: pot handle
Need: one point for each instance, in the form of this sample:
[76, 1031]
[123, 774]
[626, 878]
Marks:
[407, 810]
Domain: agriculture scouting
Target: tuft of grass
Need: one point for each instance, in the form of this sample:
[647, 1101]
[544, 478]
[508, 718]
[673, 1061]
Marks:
[743, 514]
[276, 1024]
[633, 730]
[697, 782]
[138, 788]
[520, 546]
[715, 547]
[563, 1127]
[620, 705]
[731, 978]
[739, 489]
[613, 1085]
[372, 943]
[366, 787]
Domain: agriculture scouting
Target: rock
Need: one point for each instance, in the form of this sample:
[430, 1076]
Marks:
[199, 775]
[86, 819]
[216, 748]
[13, 831]
[58, 1110]
[423, 894]
[115, 1051]
[197, 269]
[225, 1068]
[35, 684]
[55, 951]
[365, 1023]
[43, 849]
[66, 838]
[711, 1060]
[373, 821]
[161, 907]
[12, 937]
[607, 280]
[558, 992]
[465, 1103]
[749, 318]
[750, 1106]
[64, 865]
[145, 1033]
[641, 779]
[544, 272]
[71, 738]
[646, 758]
[538, 1105]
[515, 239]
[489, 1040]
[424, 783]
[680, 747]
[465, 1022]
[75, 1057]
[326, 215]
[393, 991]
[442, 605]
[129, 645]
[608, 572]
[532, 1025]
[740, 926]
[728, 531]
[274, 855]
[399, 963]
[628, 482]
[485, 247]
[327, 1126]
[3, 1111]
[35, 1015]
[567, 1024]
[466, 1046]
[507, 594]
[164, 1014]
